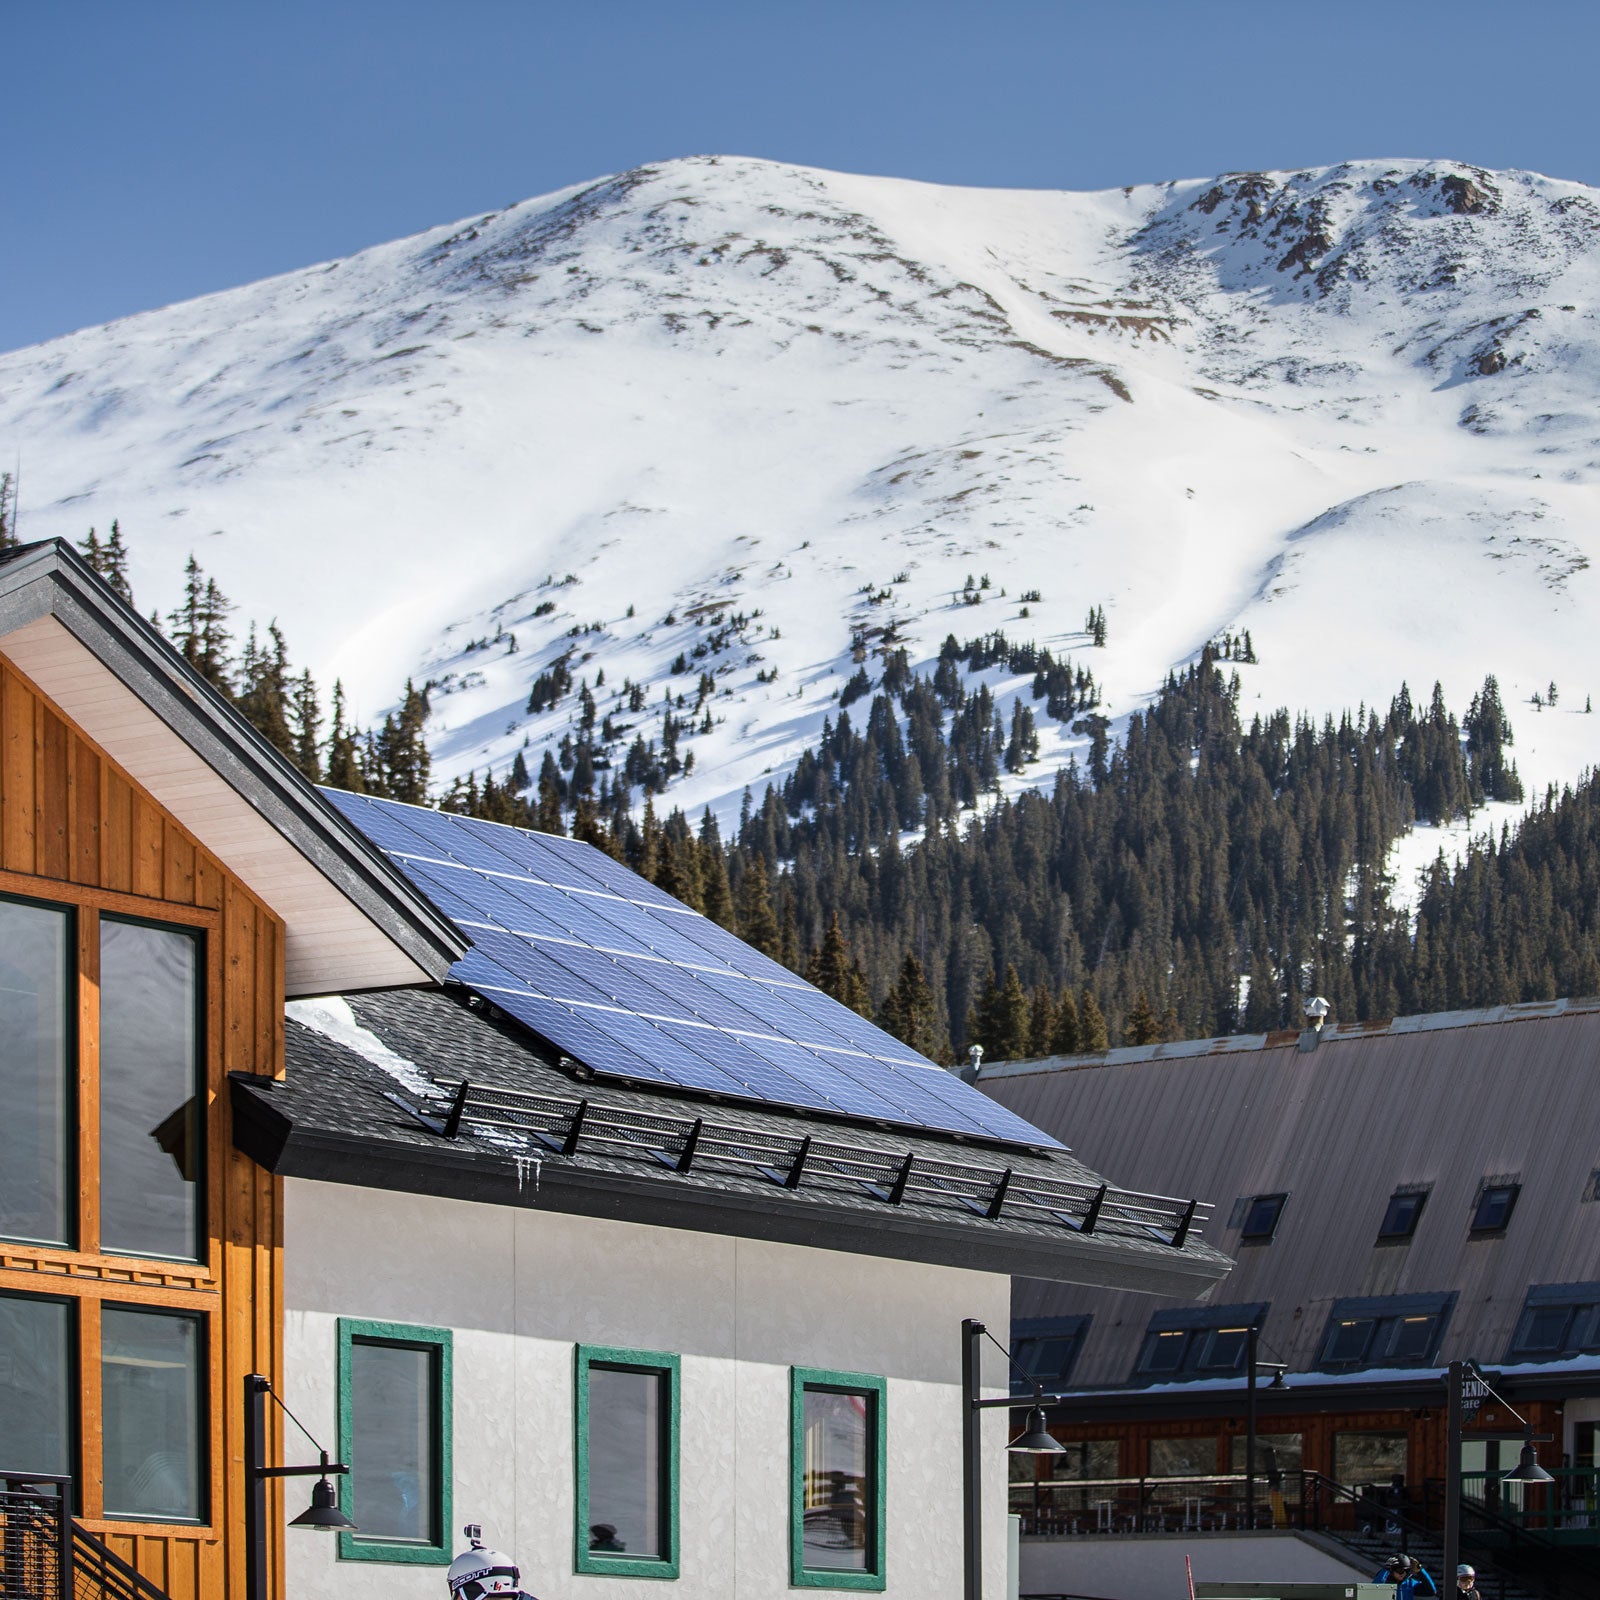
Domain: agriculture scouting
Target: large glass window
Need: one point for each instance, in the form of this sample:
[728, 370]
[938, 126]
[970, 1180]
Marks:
[626, 1419]
[395, 1433]
[837, 1441]
[1184, 1458]
[36, 1385]
[1275, 1452]
[152, 1156]
[152, 1385]
[37, 1069]
[1558, 1319]
[1368, 1458]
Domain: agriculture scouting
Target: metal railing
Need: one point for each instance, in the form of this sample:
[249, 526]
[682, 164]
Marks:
[533, 1126]
[1201, 1503]
[36, 1553]
[46, 1555]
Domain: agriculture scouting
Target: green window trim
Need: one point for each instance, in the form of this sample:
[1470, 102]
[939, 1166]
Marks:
[355, 1546]
[800, 1380]
[598, 1562]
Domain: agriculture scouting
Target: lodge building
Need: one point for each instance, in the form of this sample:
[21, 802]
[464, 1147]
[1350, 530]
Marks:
[531, 1196]
[1396, 1196]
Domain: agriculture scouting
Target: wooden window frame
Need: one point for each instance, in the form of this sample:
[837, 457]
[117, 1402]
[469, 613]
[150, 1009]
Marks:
[89, 1276]
[801, 1379]
[592, 1563]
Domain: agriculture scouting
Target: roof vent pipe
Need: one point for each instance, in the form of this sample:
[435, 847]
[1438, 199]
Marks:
[969, 1073]
[1316, 1014]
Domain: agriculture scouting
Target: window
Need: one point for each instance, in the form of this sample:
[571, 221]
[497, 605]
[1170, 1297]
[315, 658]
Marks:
[394, 1431]
[1368, 1458]
[625, 1417]
[1183, 1458]
[1047, 1349]
[1275, 1452]
[837, 1438]
[152, 1372]
[151, 1086]
[37, 1385]
[1204, 1342]
[1260, 1219]
[37, 1066]
[1496, 1202]
[1558, 1319]
[1384, 1331]
[1401, 1217]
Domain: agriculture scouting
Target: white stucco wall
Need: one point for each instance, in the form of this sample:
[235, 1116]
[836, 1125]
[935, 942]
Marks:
[520, 1287]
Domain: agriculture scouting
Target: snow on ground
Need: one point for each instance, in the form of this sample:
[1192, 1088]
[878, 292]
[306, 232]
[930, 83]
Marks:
[1349, 409]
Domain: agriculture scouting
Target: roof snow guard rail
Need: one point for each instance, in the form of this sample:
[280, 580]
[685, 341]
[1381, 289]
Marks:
[524, 1123]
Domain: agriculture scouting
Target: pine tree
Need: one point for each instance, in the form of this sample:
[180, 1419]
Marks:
[8, 511]
[400, 752]
[1066, 1040]
[1092, 1035]
[757, 921]
[833, 969]
[1140, 1026]
[262, 692]
[1041, 1022]
[909, 1012]
[306, 727]
[344, 760]
[116, 563]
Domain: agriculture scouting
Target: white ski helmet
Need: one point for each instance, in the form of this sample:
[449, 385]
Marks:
[481, 1571]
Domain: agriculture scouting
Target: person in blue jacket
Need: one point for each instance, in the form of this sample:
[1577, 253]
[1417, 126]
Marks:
[1410, 1578]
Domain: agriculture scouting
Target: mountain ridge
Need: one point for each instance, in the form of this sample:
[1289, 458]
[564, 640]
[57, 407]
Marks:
[1347, 409]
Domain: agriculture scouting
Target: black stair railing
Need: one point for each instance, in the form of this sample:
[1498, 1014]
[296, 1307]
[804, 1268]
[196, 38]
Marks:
[45, 1554]
[36, 1554]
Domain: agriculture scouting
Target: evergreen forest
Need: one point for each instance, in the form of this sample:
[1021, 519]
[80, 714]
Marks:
[1202, 876]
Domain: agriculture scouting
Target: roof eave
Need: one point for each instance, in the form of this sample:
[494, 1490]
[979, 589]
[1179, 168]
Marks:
[50, 580]
[263, 1132]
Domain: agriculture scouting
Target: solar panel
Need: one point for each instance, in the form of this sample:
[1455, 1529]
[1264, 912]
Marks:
[636, 986]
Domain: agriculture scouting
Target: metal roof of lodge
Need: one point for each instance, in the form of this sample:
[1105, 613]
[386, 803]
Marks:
[1445, 1104]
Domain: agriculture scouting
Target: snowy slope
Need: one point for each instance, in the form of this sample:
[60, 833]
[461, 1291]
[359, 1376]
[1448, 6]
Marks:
[1351, 410]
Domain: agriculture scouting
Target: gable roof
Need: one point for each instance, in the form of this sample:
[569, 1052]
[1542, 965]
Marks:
[352, 920]
[367, 1101]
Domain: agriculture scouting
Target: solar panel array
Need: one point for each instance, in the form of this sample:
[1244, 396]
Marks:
[637, 987]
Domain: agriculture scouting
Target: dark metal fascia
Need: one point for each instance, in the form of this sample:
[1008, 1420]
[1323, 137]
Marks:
[50, 579]
[461, 1173]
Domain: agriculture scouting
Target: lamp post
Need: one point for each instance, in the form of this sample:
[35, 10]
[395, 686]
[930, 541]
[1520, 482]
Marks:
[1253, 1367]
[1527, 1469]
[323, 1511]
[1035, 1439]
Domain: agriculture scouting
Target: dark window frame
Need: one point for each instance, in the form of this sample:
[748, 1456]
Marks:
[1482, 1229]
[1197, 1328]
[73, 1052]
[1388, 1233]
[667, 1366]
[1266, 1229]
[203, 1397]
[1386, 1317]
[198, 934]
[1579, 1304]
[1030, 1332]
[74, 1368]
[406, 1336]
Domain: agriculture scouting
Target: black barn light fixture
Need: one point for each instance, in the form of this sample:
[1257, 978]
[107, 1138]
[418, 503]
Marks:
[1035, 1439]
[323, 1511]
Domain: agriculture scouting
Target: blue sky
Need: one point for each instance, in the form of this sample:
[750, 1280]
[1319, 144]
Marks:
[162, 149]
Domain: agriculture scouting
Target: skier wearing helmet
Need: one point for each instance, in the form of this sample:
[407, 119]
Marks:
[1410, 1578]
[1467, 1583]
[482, 1571]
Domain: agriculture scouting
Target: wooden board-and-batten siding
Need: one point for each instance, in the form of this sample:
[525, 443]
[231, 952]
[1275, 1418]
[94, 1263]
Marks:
[75, 829]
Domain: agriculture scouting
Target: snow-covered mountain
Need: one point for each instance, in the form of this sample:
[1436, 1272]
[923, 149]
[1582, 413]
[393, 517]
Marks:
[765, 411]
